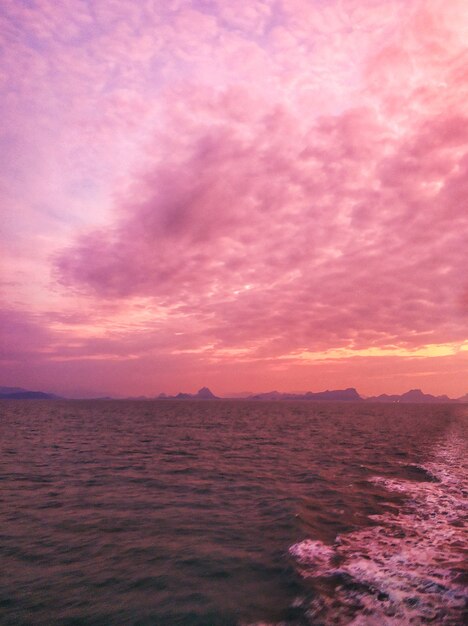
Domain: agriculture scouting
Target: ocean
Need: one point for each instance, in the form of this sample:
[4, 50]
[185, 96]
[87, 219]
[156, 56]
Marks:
[220, 513]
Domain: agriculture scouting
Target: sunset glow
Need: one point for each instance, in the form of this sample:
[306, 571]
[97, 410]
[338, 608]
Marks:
[250, 195]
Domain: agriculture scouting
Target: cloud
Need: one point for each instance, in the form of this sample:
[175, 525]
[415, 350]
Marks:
[23, 336]
[287, 177]
[290, 230]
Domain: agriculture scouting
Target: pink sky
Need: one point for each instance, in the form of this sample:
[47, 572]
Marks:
[249, 195]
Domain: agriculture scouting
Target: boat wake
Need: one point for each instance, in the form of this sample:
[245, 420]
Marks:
[410, 568]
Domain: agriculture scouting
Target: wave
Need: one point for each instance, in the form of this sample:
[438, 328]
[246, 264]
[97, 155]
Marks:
[407, 569]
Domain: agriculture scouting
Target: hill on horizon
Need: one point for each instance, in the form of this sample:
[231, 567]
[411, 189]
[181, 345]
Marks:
[18, 393]
[204, 393]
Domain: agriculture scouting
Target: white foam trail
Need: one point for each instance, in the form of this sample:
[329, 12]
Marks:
[408, 568]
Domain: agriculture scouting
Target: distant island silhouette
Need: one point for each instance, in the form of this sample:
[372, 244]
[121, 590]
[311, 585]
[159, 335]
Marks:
[202, 394]
[17, 393]
[334, 395]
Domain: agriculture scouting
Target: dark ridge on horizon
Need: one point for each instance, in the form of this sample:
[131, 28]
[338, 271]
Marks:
[18, 393]
[341, 395]
[414, 395]
[334, 395]
[202, 394]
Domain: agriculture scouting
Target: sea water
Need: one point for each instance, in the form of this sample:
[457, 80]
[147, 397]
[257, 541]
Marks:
[232, 513]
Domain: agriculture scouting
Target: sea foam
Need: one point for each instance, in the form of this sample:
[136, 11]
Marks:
[409, 568]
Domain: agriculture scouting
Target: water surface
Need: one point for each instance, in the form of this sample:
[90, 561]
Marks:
[231, 512]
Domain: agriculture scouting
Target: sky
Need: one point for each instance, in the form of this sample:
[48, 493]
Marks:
[249, 195]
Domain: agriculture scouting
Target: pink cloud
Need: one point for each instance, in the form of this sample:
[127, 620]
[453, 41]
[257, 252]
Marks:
[338, 225]
[279, 177]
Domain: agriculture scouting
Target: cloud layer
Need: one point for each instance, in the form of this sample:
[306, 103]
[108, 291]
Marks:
[281, 181]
